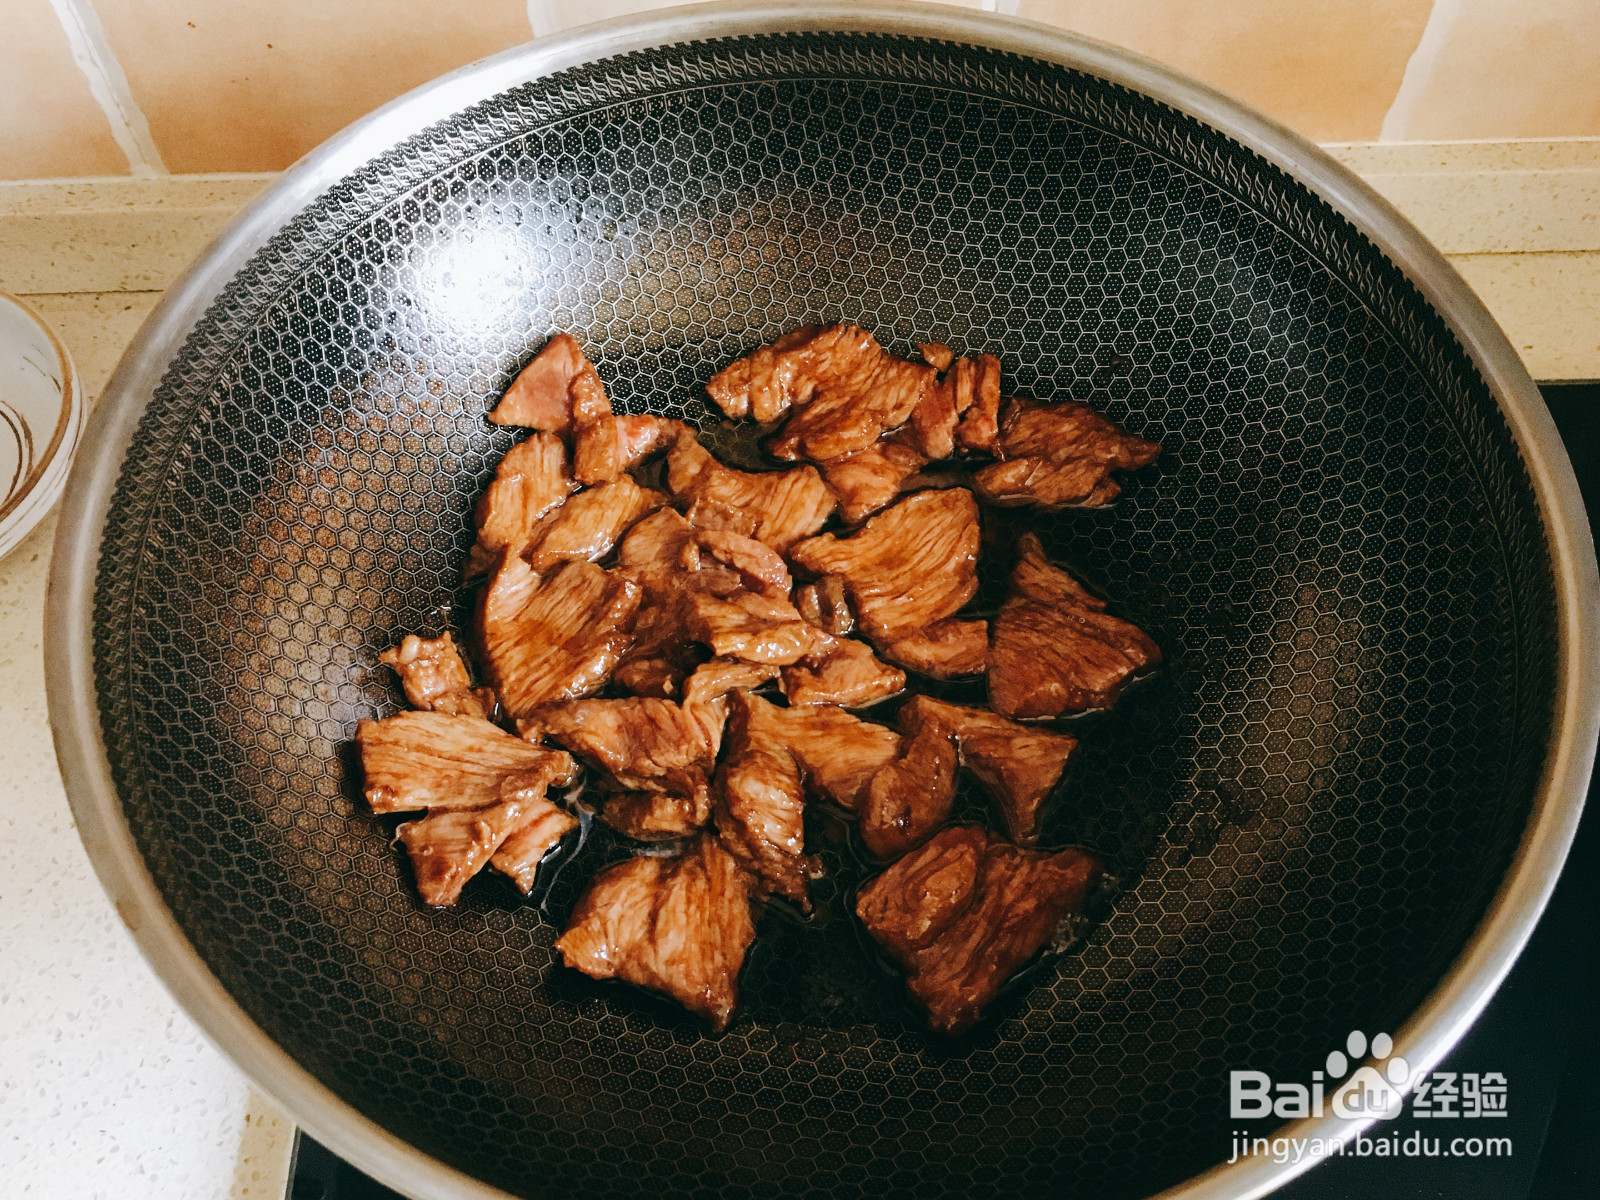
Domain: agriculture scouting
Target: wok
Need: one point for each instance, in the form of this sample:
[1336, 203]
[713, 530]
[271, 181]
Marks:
[1341, 805]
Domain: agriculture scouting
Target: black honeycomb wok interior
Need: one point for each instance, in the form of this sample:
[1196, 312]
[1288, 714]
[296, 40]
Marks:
[1339, 552]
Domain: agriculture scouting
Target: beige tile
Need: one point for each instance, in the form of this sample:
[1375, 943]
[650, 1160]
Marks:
[1327, 68]
[266, 1152]
[251, 85]
[1524, 154]
[96, 328]
[1548, 304]
[1508, 70]
[50, 124]
[112, 235]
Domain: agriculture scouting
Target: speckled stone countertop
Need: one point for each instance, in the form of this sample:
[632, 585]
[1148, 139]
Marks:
[106, 1088]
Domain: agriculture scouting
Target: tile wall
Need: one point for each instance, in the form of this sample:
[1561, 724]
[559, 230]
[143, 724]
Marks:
[147, 87]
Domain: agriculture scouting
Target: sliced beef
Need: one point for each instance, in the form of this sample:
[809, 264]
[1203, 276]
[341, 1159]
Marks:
[839, 754]
[826, 606]
[432, 760]
[752, 628]
[760, 568]
[557, 392]
[976, 382]
[1018, 764]
[587, 526]
[846, 673]
[608, 446]
[946, 649]
[869, 479]
[657, 551]
[679, 926]
[1053, 648]
[907, 567]
[519, 856]
[841, 389]
[761, 801]
[961, 921]
[435, 678]
[531, 480]
[911, 797]
[1053, 455]
[781, 506]
[450, 846]
[554, 637]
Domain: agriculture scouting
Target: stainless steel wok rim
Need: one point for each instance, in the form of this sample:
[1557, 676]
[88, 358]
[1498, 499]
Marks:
[69, 655]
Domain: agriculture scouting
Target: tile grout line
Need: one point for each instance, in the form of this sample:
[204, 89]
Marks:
[109, 85]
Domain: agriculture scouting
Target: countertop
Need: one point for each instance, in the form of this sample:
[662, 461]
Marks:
[106, 1088]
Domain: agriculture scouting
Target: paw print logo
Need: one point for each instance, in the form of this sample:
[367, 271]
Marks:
[1367, 1093]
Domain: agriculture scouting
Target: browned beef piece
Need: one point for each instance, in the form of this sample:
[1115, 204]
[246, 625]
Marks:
[663, 654]
[554, 637]
[838, 754]
[433, 760]
[660, 753]
[751, 627]
[587, 526]
[946, 649]
[760, 567]
[1053, 455]
[846, 673]
[450, 846]
[936, 354]
[784, 506]
[761, 802]
[826, 606]
[435, 678]
[608, 446]
[908, 566]
[867, 480]
[657, 551]
[962, 914]
[1054, 649]
[1019, 765]
[557, 392]
[911, 797]
[845, 390]
[977, 397]
[531, 480]
[678, 925]
[714, 515]
[524, 849]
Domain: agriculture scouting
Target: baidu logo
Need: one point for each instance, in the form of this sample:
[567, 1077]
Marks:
[1370, 1091]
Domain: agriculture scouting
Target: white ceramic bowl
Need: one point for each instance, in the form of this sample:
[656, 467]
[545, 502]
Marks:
[41, 416]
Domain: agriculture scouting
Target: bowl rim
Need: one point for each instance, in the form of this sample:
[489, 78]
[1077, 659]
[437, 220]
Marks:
[24, 500]
[1431, 1031]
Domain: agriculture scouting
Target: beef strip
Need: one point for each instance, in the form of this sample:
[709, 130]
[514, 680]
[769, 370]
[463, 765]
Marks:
[908, 566]
[531, 480]
[660, 753]
[1053, 455]
[936, 354]
[656, 551]
[1054, 649]
[846, 673]
[962, 914]
[608, 446]
[761, 802]
[588, 525]
[839, 754]
[519, 856]
[435, 678]
[557, 392]
[867, 480]
[784, 506]
[1019, 765]
[826, 606]
[751, 627]
[841, 389]
[678, 925]
[946, 649]
[555, 637]
[449, 847]
[433, 760]
[760, 567]
[911, 797]
[977, 396]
